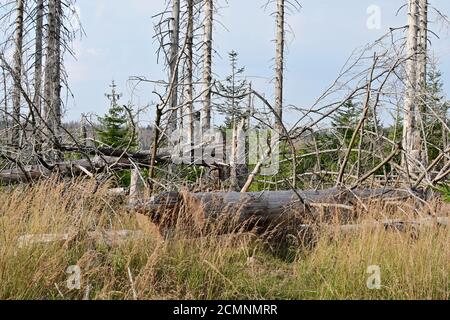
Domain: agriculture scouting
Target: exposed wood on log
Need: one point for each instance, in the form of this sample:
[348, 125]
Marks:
[109, 238]
[115, 238]
[70, 168]
[261, 208]
[164, 155]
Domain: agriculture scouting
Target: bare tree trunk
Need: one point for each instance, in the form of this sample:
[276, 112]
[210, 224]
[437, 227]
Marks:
[238, 166]
[422, 74]
[156, 137]
[279, 68]
[38, 58]
[175, 42]
[57, 75]
[207, 64]
[136, 186]
[411, 129]
[52, 86]
[18, 41]
[50, 65]
[5, 105]
[83, 131]
[188, 91]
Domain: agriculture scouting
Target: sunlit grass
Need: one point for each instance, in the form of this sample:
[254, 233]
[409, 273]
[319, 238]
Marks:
[212, 267]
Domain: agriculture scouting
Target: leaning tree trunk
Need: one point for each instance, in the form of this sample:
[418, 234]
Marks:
[411, 129]
[279, 68]
[17, 76]
[207, 64]
[173, 63]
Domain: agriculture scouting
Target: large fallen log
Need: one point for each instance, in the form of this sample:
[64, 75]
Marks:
[70, 168]
[264, 209]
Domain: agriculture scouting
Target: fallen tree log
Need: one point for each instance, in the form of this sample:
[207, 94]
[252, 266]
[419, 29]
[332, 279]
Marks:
[114, 238]
[109, 238]
[264, 209]
[70, 168]
[143, 157]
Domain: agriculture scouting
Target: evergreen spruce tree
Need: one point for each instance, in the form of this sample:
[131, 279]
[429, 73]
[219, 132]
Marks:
[345, 122]
[115, 130]
[234, 88]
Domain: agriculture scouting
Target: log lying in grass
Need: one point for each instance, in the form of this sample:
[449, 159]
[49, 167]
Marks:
[114, 238]
[396, 225]
[263, 208]
[109, 238]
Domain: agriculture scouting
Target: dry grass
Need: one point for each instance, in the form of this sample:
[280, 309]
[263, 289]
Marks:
[225, 267]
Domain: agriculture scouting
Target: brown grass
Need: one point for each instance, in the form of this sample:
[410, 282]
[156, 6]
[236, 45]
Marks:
[413, 266]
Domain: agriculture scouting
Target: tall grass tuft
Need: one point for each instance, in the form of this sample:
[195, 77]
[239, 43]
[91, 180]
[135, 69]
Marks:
[202, 266]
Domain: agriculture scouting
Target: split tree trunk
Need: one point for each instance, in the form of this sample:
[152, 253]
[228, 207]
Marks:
[18, 55]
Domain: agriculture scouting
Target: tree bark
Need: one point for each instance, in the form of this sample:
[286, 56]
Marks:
[279, 67]
[238, 166]
[411, 130]
[64, 169]
[52, 87]
[38, 55]
[263, 209]
[18, 56]
[207, 64]
[5, 105]
[156, 137]
[422, 74]
[173, 63]
[188, 90]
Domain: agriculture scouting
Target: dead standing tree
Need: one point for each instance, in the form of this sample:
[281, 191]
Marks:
[18, 57]
[38, 62]
[174, 63]
[415, 79]
[52, 86]
[279, 64]
[207, 63]
[188, 84]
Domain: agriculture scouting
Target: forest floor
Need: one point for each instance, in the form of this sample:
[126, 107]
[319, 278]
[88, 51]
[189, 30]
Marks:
[410, 266]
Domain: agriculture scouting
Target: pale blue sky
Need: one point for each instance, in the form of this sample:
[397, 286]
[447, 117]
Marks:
[119, 44]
